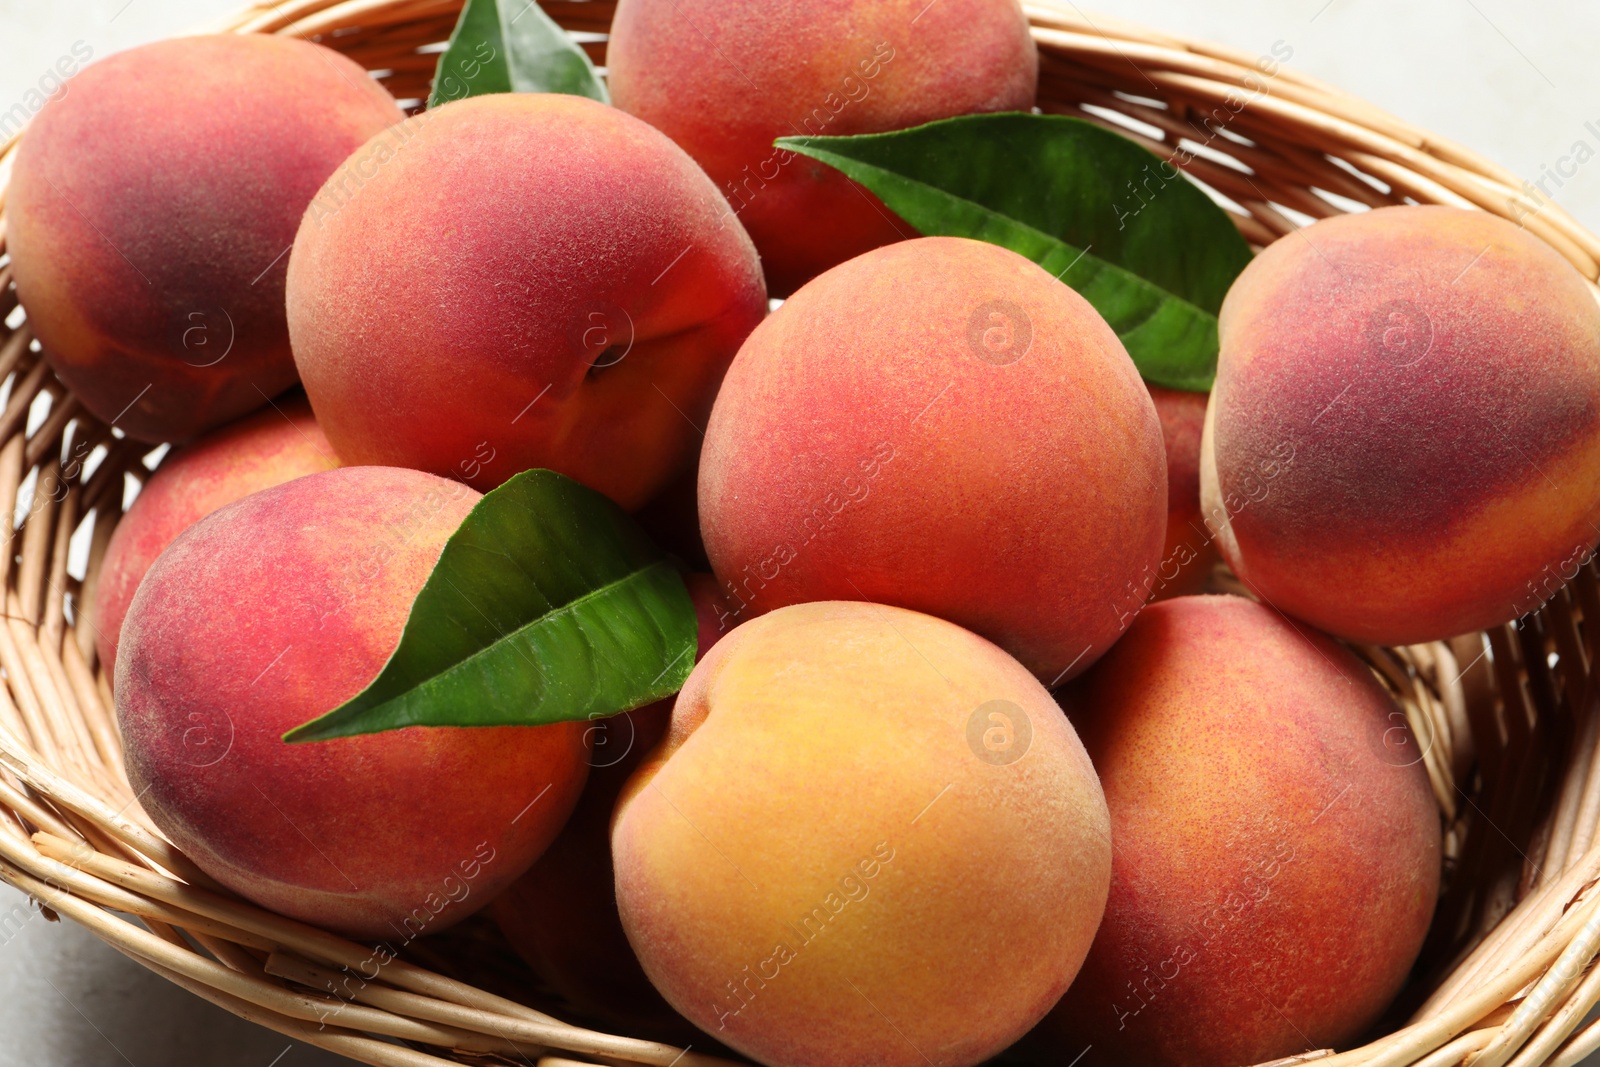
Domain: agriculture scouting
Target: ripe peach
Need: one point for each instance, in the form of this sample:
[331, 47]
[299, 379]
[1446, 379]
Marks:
[273, 610]
[521, 280]
[725, 82]
[1406, 424]
[257, 453]
[869, 838]
[940, 425]
[150, 209]
[1277, 843]
[561, 917]
[1190, 551]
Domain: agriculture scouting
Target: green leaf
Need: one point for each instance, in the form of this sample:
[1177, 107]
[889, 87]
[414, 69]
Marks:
[512, 46]
[1148, 249]
[548, 604]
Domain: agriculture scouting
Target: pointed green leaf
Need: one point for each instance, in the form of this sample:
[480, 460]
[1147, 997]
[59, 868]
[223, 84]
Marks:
[512, 46]
[1148, 249]
[548, 604]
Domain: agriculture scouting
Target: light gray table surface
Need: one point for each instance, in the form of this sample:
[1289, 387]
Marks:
[1514, 79]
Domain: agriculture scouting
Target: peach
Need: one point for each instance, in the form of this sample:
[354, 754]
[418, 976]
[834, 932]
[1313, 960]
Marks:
[870, 837]
[724, 82]
[264, 450]
[150, 210]
[1190, 551]
[1277, 843]
[1405, 431]
[942, 426]
[521, 280]
[273, 610]
[561, 917]
[672, 519]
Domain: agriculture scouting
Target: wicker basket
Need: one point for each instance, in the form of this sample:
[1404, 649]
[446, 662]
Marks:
[1506, 719]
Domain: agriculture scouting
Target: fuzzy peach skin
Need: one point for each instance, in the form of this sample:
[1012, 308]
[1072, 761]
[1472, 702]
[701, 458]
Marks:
[150, 210]
[273, 610]
[1277, 844]
[521, 280]
[256, 453]
[870, 838]
[942, 426]
[1190, 550]
[725, 80]
[1405, 428]
[561, 917]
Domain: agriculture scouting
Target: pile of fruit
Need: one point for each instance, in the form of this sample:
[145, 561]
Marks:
[938, 785]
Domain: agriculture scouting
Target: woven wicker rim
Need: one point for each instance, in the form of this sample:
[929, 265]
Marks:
[1506, 718]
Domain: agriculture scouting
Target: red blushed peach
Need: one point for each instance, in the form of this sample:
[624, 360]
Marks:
[725, 81]
[561, 917]
[1405, 430]
[264, 450]
[869, 838]
[150, 210]
[1277, 845]
[273, 610]
[942, 426]
[1190, 551]
[521, 280]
